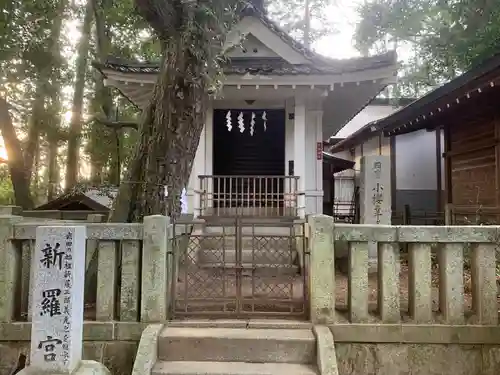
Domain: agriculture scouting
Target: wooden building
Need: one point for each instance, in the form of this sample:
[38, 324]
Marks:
[467, 112]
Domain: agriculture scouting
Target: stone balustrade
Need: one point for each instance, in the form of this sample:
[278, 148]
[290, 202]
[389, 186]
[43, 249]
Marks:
[132, 261]
[448, 243]
[135, 272]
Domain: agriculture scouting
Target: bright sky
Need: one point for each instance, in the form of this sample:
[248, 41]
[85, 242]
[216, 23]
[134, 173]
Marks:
[340, 45]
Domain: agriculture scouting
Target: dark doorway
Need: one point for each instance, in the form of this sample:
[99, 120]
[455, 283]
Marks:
[242, 154]
[249, 160]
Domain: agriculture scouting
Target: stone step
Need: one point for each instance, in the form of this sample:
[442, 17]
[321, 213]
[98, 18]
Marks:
[270, 256]
[231, 368]
[237, 345]
[242, 323]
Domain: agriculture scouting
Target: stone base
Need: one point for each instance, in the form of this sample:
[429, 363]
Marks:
[85, 368]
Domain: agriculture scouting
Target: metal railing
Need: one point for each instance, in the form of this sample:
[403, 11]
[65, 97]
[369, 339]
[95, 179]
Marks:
[251, 196]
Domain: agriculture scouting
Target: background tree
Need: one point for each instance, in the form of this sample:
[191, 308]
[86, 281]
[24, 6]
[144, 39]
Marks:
[306, 20]
[438, 39]
[191, 35]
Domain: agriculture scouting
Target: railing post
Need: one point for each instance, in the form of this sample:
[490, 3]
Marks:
[358, 282]
[199, 199]
[388, 283]
[131, 280]
[154, 269]
[10, 265]
[484, 286]
[419, 283]
[322, 269]
[107, 277]
[451, 283]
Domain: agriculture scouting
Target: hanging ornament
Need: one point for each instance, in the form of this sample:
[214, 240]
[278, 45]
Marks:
[264, 118]
[241, 124]
[228, 121]
[252, 124]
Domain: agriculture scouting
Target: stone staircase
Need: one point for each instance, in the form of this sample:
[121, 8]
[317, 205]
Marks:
[185, 348]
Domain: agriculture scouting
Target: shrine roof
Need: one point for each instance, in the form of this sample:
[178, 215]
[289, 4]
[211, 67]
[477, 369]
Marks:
[262, 66]
[99, 198]
[316, 64]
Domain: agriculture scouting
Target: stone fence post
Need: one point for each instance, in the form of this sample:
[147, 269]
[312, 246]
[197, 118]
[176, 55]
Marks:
[322, 269]
[154, 269]
[10, 260]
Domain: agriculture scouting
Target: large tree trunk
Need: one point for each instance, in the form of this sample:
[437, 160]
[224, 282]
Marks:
[169, 134]
[19, 175]
[75, 128]
[115, 158]
[192, 35]
[102, 104]
[42, 90]
[35, 125]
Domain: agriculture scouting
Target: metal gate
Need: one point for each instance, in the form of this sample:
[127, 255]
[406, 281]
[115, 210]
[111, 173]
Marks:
[240, 268]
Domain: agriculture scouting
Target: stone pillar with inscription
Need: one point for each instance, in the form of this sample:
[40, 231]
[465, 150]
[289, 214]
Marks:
[375, 197]
[57, 311]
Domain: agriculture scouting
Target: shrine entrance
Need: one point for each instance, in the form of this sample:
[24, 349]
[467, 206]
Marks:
[249, 142]
[240, 268]
[249, 161]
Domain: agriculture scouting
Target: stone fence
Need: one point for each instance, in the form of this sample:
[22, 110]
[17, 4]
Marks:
[434, 305]
[132, 263]
[448, 276]
[429, 285]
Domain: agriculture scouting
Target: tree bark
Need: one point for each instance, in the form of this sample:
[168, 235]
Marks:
[102, 105]
[169, 134]
[19, 175]
[75, 128]
[42, 90]
[192, 35]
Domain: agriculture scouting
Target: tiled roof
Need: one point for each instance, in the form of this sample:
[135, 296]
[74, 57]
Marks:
[251, 10]
[263, 66]
[269, 66]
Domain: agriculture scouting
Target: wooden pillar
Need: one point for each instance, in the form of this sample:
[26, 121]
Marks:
[439, 158]
[447, 165]
[497, 163]
[392, 147]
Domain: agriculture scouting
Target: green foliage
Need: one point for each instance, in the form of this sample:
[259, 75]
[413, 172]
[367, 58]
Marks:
[444, 38]
[290, 14]
[6, 190]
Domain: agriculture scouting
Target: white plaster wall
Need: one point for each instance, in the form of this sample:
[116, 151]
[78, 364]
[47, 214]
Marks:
[416, 161]
[252, 47]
